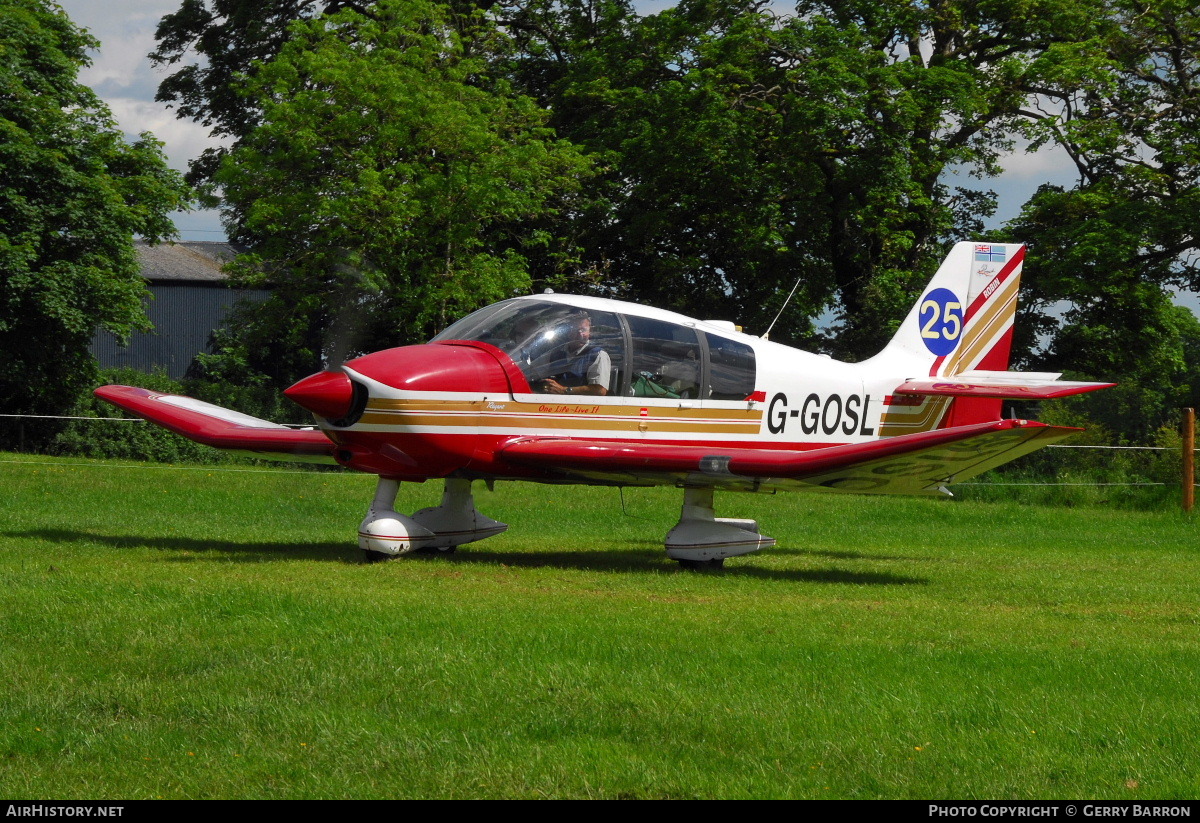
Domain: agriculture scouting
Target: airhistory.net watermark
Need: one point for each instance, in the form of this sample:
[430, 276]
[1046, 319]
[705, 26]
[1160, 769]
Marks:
[48, 810]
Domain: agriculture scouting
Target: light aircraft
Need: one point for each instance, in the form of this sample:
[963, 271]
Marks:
[564, 389]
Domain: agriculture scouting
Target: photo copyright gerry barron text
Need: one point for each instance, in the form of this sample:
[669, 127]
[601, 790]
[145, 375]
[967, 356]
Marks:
[1060, 809]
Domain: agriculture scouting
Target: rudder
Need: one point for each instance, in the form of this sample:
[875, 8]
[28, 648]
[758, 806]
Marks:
[963, 322]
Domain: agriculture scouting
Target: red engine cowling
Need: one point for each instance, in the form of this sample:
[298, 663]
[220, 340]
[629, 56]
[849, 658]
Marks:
[419, 435]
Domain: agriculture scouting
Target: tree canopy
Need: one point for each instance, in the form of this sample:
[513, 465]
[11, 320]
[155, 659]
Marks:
[1107, 254]
[746, 150]
[73, 194]
[390, 187]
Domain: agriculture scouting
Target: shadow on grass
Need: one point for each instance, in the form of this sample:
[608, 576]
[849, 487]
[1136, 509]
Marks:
[238, 551]
[639, 557]
[652, 560]
[844, 555]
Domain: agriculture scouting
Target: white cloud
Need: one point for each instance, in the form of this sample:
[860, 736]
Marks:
[122, 62]
[125, 79]
[125, 29]
[183, 140]
[1049, 164]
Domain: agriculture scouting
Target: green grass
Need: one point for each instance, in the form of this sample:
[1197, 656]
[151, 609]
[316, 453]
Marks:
[213, 633]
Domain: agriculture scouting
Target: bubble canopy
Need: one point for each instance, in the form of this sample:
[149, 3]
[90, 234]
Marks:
[643, 356]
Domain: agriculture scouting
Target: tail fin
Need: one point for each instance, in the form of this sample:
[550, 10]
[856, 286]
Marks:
[952, 349]
[964, 319]
[963, 322]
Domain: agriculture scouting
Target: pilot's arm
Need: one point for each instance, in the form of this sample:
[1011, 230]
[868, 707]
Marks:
[598, 376]
[552, 386]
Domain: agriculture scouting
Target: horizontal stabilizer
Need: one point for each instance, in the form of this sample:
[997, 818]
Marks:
[220, 427]
[916, 463]
[1000, 384]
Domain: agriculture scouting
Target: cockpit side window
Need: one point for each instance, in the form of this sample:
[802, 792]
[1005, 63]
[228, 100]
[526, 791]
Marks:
[575, 352]
[667, 361]
[731, 368]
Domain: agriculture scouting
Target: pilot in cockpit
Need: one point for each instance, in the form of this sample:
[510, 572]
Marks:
[577, 366]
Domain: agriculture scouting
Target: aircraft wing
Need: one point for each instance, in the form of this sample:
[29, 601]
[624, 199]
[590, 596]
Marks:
[220, 427]
[920, 463]
[1005, 384]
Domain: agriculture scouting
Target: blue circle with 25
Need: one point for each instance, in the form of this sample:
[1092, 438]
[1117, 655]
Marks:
[941, 321]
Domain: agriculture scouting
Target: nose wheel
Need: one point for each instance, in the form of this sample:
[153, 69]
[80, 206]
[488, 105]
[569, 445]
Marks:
[385, 533]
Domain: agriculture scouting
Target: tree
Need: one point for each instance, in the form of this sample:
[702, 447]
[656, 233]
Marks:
[210, 44]
[1106, 255]
[700, 206]
[744, 150]
[73, 194]
[214, 43]
[388, 188]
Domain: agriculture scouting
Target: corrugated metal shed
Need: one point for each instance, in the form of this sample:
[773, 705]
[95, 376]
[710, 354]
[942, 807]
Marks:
[190, 297]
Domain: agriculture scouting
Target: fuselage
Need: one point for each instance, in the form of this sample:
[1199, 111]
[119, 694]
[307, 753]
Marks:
[449, 406]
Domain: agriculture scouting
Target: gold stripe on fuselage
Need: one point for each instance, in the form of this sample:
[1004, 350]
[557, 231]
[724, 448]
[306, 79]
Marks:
[490, 421]
[923, 418]
[557, 408]
[559, 416]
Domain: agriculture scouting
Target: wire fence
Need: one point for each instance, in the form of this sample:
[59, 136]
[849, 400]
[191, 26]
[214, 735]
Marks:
[108, 464]
[990, 483]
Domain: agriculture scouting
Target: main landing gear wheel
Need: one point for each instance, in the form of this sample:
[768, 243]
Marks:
[702, 541]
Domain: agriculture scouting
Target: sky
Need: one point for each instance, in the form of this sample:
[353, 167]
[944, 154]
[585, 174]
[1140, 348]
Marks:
[123, 76]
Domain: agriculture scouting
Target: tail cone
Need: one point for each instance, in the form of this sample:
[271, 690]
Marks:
[329, 394]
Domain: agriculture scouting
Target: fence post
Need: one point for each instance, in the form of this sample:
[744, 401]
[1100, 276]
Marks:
[1189, 459]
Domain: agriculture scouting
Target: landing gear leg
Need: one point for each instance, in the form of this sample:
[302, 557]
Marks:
[456, 521]
[701, 540]
[385, 533]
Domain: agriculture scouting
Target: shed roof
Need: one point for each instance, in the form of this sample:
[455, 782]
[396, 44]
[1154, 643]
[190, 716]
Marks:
[187, 261]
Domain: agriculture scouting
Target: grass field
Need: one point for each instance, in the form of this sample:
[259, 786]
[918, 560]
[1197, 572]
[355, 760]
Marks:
[210, 633]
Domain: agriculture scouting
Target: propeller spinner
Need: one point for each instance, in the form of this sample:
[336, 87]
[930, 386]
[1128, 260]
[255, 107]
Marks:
[329, 394]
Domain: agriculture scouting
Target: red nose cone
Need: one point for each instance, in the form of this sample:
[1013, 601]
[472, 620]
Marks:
[328, 393]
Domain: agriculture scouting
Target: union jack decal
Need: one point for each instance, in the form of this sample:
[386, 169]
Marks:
[990, 254]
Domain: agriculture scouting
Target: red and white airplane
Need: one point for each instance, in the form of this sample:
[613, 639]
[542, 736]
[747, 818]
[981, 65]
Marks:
[560, 389]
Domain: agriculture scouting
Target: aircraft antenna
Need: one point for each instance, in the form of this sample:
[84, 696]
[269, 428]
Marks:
[766, 335]
[625, 511]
